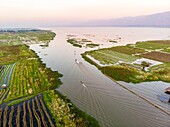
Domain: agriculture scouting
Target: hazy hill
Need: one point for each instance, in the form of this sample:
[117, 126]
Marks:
[154, 20]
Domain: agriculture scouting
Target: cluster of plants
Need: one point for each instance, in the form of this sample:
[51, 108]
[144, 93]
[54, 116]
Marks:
[92, 45]
[113, 41]
[161, 71]
[74, 42]
[78, 42]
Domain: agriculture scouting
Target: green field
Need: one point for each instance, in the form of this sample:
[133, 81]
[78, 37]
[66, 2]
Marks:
[127, 50]
[107, 56]
[153, 45]
[12, 54]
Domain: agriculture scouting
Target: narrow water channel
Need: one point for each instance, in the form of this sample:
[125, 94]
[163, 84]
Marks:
[100, 97]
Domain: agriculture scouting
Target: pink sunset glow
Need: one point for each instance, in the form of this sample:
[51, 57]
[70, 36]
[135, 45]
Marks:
[37, 12]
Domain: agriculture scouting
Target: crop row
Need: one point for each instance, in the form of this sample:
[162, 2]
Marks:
[29, 78]
[3, 94]
[27, 114]
[5, 78]
[5, 74]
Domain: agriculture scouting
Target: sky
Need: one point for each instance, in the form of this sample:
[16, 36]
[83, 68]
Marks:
[51, 12]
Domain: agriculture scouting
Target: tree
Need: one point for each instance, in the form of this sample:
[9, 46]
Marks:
[145, 64]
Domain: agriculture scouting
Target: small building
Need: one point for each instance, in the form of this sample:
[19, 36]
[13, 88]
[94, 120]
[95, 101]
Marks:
[4, 86]
[167, 90]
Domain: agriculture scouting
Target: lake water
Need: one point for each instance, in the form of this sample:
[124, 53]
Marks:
[110, 104]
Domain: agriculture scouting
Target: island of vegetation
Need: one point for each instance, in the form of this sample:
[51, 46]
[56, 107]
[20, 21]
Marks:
[79, 42]
[143, 61]
[113, 41]
[27, 95]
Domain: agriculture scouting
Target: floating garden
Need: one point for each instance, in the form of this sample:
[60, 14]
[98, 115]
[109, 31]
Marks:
[121, 61]
[79, 42]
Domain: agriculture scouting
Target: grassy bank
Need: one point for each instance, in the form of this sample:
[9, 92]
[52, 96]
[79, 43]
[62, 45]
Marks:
[65, 113]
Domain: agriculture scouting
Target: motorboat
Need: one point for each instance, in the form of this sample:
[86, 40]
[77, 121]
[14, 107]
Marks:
[77, 62]
[167, 90]
[82, 83]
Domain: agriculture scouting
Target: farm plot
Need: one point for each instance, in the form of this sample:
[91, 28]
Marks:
[159, 56]
[153, 45]
[127, 50]
[5, 74]
[107, 56]
[31, 77]
[12, 54]
[30, 113]
[5, 77]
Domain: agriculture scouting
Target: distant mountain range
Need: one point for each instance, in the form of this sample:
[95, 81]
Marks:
[154, 20]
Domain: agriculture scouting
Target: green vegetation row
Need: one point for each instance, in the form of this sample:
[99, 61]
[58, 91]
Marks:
[31, 113]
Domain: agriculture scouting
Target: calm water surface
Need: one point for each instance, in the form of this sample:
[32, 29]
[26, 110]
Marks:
[109, 103]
